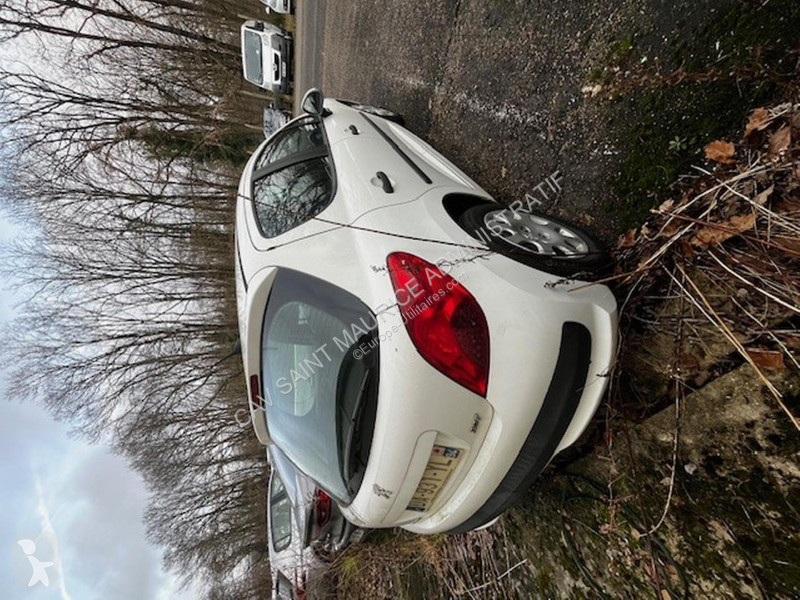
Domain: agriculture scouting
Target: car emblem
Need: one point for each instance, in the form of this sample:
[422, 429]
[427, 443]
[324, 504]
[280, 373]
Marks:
[476, 422]
[382, 492]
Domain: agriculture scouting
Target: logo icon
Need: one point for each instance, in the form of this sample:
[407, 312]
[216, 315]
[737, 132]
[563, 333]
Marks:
[38, 567]
[382, 492]
[35, 561]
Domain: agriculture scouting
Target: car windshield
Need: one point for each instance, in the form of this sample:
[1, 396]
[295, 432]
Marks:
[252, 57]
[320, 399]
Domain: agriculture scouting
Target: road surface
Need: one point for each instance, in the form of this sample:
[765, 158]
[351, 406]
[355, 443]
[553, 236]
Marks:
[502, 93]
[308, 48]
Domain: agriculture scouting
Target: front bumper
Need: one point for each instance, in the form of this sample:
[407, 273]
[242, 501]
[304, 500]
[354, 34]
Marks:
[287, 63]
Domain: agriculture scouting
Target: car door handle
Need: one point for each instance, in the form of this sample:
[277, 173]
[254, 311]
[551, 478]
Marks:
[353, 129]
[387, 185]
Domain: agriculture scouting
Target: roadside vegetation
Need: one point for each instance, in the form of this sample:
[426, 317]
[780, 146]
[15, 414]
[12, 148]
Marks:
[667, 107]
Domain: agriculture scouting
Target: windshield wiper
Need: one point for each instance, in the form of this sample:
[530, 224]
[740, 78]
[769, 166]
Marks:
[354, 429]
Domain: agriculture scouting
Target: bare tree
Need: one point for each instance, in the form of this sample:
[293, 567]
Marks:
[125, 157]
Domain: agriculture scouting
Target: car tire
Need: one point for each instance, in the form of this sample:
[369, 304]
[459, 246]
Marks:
[526, 236]
[383, 113]
[322, 552]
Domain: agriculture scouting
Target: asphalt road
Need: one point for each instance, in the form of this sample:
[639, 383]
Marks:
[308, 48]
[498, 87]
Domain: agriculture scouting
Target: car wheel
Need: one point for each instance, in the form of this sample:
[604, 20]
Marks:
[322, 551]
[538, 240]
[383, 113]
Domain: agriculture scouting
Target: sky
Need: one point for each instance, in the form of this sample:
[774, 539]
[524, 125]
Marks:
[80, 505]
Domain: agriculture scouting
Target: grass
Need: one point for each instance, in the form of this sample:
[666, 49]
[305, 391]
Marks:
[698, 113]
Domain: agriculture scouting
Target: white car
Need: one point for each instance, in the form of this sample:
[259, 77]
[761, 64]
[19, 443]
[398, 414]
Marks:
[420, 371]
[304, 528]
[283, 7]
[267, 55]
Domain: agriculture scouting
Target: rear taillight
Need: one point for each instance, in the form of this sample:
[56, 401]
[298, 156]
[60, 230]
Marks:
[300, 589]
[255, 392]
[322, 508]
[443, 320]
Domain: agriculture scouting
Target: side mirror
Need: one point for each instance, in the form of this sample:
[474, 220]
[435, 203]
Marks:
[312, 103]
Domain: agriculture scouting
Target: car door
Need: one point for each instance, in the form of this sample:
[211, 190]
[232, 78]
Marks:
[376, 171]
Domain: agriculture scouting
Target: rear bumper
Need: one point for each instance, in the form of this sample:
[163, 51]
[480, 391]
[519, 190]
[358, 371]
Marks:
[556, 414]
[551, 357]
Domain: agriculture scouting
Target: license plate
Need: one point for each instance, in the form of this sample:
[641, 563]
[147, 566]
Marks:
[442, 462]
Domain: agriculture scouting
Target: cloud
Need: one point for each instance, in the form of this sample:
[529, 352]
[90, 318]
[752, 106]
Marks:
[47, 528]
[106, 534]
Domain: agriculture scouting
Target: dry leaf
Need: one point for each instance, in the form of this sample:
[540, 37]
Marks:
[666, 206]
[672, 571]
[635, 534]
[669, 230]
[665, 595]
[689, 362]
[780, 140]
[720, 151]
[710, 236]
[764, 196]
[742, 223]
[628, 240]
[766, 359]
[758, 120]
[792, 342]
[687, 249]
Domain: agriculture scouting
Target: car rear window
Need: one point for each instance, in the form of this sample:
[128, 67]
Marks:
[321, 400]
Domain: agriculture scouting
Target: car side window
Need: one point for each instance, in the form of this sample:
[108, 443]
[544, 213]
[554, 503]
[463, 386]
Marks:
[299, 138]
[280, 515]
[283, 587]
[287, 198]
